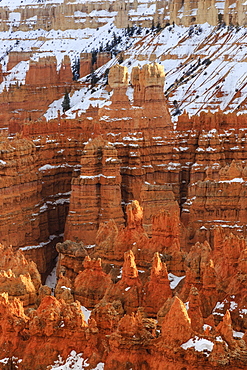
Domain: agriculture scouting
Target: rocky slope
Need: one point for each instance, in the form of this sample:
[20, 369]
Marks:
[135, 319]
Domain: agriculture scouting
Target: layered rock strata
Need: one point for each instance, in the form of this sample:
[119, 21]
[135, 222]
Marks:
[71, 15]
[15, 112]
[91, 284]
[146, 163]
[218, 200]
[19, 277]
[35, 190]
[97, 190]
[139, 137]
[70, 258]
[20, 192]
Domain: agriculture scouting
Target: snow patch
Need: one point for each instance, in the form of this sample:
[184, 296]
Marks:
[174, 280]
[51, 280]
[199, 344]
[86, 313]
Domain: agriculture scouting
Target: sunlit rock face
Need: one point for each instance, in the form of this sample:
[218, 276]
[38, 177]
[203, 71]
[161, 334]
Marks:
[99, 182]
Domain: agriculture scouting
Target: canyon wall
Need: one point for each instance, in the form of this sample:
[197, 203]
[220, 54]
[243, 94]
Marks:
[142, 158]
[146, 211]
[28, 101]
[72, 15]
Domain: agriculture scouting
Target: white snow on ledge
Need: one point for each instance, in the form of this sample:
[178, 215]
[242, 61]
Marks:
[174, 280]
[76, 362]
[97, 176]
[42, 244]
[199, 344]
[86, 313]
[6, 359]
[14, 4]
[16, 76]
[238, 334]
[236, 179]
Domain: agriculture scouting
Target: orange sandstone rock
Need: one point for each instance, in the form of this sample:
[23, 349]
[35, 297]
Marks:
[63, 289]
[13, 322]
[18, 286]
[157, 290]
[107, 315]
[225, 330]
[57, 328]
[195, 263]
[18, 277]
[71, 257]
[227, 250]
[112, 241]
[209, 292]
[194, 310]
[147, 80]
[91, 283]
[157, 198]
[97, 189]
[176, 325]
[128, 288]
[18, 264]
[118, 77]
[133, 235]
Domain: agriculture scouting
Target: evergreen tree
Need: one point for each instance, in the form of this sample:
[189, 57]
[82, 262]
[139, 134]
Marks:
[106, 75]
[158, 27]
[76, 69]
[114, 39]
[120, 59]
[94, 57]
[139, 30]
[66, 102]
[94, 79]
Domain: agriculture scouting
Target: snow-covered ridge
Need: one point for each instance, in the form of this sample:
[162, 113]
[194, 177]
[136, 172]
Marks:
[206, 68]
[142, 12]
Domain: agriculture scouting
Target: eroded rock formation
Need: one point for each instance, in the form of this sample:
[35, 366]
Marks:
[186, 272]
[19, 277]
[97, 190]
[91, 283]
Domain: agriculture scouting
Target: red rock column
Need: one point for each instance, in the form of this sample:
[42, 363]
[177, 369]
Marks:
[157, 289]
[96, 193]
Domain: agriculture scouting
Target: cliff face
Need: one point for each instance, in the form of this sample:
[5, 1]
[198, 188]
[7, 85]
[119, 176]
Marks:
[158, 165]
[137, 157]
[218, 199]
[70, 15]
[20, 192]
[28, 100]
[99, 181]
[91, 283]
[121, 167]
[34, 196]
